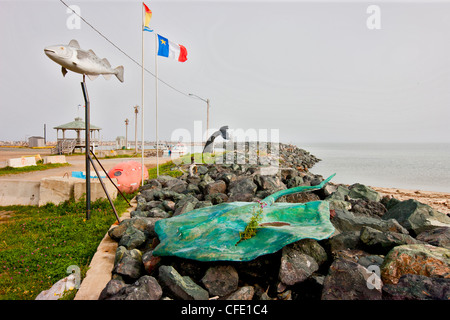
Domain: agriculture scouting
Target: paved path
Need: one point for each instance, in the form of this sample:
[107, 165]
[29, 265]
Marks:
[77, 163]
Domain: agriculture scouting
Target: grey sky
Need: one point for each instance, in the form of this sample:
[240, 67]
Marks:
[312, 70]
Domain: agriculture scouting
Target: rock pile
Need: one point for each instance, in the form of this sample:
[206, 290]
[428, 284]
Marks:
[383, 248]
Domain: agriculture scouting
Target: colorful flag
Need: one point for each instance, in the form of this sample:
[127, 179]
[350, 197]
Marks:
[148, 16]
[172, 50]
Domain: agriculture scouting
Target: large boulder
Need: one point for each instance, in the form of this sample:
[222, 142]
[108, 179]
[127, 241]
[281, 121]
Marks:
[418, 287]
[243, 189]
[145, 288]
[344, 220]
[416, 216]
[382, 242]
[218, 186]
[180, 287]
[129, 265]
[296, 266]
[439, 237]
[360, 191]
[348, 280]
[221, 280]
[420, 259]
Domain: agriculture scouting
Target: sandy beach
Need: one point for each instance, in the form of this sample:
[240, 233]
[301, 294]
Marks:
[438, 200]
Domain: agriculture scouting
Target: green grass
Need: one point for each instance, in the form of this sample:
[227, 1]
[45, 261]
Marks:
[38, 167]
[164, 170]
[38, 244]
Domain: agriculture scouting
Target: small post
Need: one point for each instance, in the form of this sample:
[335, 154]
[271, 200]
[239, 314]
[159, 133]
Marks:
[88, 148]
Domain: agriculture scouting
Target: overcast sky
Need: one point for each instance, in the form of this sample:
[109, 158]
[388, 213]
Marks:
[314, 71]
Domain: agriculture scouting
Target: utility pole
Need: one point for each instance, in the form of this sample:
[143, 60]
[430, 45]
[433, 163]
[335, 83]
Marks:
[136, 111]
[207, 111]
[126, 133]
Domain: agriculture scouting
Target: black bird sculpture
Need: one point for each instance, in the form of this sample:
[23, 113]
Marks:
[209, 145]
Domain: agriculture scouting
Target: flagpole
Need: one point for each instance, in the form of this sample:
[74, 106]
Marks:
[142, 101]
[156, 95]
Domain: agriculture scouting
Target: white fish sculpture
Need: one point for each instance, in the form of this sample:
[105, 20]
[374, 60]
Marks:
[71, 57]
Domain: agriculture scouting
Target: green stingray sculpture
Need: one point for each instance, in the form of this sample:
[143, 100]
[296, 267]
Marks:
[215, 233]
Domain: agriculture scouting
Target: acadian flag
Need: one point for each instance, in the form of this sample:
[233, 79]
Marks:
[172, 50]
[148, 16]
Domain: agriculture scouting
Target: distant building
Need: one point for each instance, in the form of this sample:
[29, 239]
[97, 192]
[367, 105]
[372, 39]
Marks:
[35, 141]
[68, 145]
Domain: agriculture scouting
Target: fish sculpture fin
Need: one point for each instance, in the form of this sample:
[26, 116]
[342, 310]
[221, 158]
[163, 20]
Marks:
[74, 43]
[106, 62]
[107, 76]
[91, 52]
[92, 76]
[64, 71]
[119, 73]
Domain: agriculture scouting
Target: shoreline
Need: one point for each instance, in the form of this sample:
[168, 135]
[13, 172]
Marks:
[436, 199]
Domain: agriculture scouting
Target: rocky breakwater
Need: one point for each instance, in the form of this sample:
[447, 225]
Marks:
[383, 248]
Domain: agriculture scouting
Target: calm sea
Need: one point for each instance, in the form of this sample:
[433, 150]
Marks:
[405, 166]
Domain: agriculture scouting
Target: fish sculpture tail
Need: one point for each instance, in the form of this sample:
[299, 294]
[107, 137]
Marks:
[119, 73]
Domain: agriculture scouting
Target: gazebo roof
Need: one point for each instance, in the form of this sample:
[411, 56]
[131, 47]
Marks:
[78, 124]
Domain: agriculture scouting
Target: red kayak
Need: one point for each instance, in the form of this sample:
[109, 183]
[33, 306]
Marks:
[128, 175]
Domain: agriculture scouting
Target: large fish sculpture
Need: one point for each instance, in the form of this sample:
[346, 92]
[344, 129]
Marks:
[72, 58]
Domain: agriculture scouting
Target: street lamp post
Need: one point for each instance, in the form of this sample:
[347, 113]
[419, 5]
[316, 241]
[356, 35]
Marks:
[126, 133]
[136, 111]
[207, 110]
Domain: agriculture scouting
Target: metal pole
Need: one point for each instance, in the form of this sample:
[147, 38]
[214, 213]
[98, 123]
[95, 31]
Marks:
[136, 110]
[95, 157]
[207, 117]
[104, 189]
[126, 133]
[142, 102]
[87, 147]
[156, 80]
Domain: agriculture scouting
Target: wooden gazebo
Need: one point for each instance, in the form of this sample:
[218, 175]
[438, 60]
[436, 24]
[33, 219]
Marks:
[68, 145]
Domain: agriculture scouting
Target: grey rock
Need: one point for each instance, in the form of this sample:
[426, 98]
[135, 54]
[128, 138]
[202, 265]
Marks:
[343, 241]
[244, 185]
[383, 241]
[221, 280]
[416, 216]
[312, 248]
[295, 266]
[180, 287]
[243, 293]
[218, 186]
[341, 193]
[193, 188]
[295, 181]
[371, 260]
[187, 204]
[158, 213]
[418, 287]
[217, 198]
[271, 183]
[347, 221]
[112, 288]
[439, 237]
[348, 280]
[130, 266]
[367, 207]
[360, 191]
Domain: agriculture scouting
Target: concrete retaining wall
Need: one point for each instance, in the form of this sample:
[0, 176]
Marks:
[14, 192]
[51, 189]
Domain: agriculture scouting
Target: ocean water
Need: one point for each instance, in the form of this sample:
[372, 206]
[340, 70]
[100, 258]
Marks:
[405, 166]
